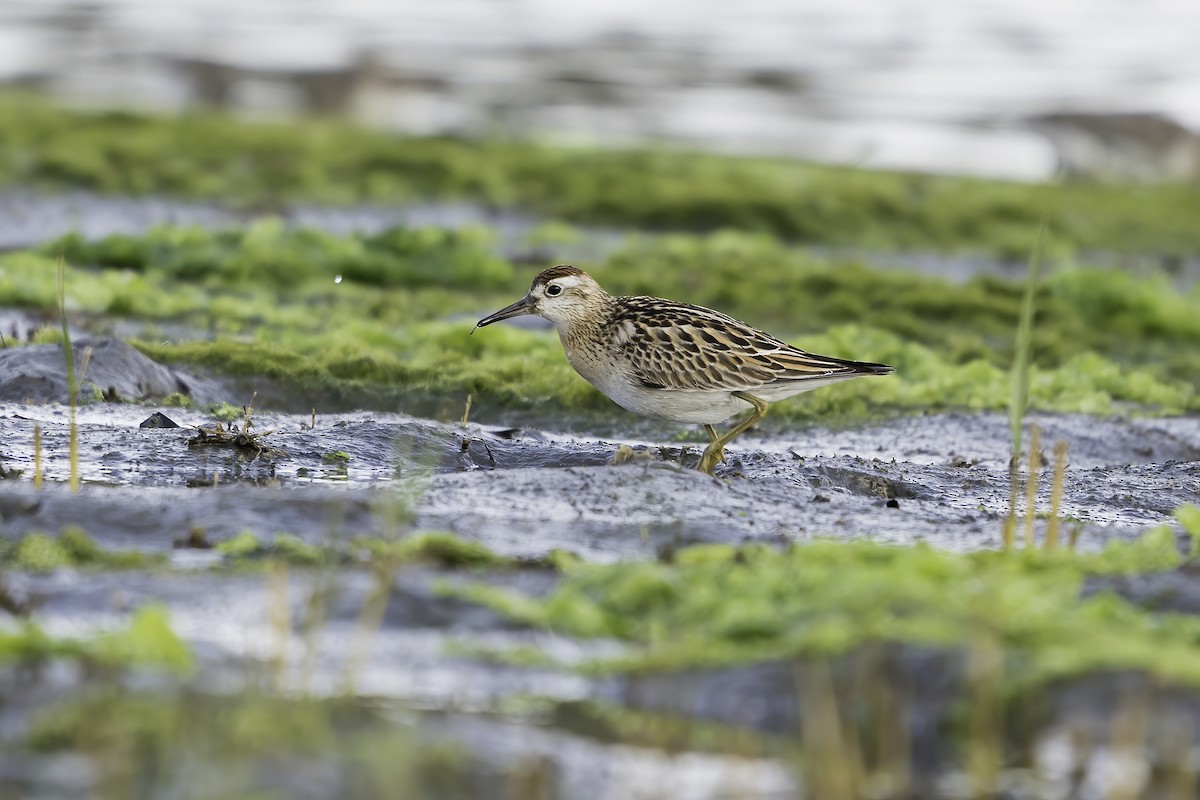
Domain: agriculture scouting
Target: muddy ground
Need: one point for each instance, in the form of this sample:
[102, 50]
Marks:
[550, 484]
[941, 479]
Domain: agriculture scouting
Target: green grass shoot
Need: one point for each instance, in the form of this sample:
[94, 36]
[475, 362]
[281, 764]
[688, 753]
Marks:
[1019, 396]
[1018, 399]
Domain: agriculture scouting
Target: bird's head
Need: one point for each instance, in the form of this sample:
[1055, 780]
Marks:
[564, 295]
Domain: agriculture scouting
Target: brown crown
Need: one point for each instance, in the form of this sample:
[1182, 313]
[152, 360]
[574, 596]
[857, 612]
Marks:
[561, 271]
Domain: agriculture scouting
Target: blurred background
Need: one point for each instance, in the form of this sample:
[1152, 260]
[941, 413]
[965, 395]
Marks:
[1105, 89]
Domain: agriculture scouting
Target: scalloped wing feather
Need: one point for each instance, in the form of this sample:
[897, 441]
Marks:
[670, 345]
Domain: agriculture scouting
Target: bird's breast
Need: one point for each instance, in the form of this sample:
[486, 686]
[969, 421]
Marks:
[589, 358]
[606, 369]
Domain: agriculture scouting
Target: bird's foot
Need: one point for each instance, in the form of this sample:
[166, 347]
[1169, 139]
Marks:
[710, 459]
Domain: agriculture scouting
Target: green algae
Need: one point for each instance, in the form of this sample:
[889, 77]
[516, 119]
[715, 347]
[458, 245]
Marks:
[30, 643]
[72, 548]
[440, 549]
[444, 550]
[243, 545]
[672, 733]
[147, 640]
[246, 549]
[1138, 318]
[1103, 339]
[266, 253]
[190, 744]
[204, 155]
[517, 369]
[722, 605]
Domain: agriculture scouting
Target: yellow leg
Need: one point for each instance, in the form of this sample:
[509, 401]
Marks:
[715, 452]
[713, 438]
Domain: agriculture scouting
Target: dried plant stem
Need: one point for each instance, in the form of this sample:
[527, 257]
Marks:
[1129, 735]
[37, 456]
[279, 617]
[833, 765]
[368, 624]
[467, 411]
[72, 386]
[1031, 484]
[1019, 391]
[1014, 490]
[1018, 399]
[74, 448]
[1056, 493]
[985, 748]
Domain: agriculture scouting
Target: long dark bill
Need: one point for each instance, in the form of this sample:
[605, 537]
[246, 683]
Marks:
[518, 309]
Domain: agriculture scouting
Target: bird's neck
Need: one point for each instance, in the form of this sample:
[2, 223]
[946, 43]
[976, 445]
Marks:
[584, 329]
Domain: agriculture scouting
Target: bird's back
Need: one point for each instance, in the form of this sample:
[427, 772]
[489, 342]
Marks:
[676, 346]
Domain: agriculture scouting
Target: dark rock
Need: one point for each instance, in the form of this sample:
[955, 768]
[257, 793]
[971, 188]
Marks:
[37, 373]
[159, 420]
[196, 539]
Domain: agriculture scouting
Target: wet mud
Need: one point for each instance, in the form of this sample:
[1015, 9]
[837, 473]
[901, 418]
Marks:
[940, 479]
[104, 367]
[151, 483]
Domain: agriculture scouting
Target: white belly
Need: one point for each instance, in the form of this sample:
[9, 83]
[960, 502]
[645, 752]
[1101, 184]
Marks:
[693, 405]
[697, 406]
[673, 404]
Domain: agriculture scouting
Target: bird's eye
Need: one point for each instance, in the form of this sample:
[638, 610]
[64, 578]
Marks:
[553, 290]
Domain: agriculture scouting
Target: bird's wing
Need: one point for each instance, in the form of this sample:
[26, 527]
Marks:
[671, 345]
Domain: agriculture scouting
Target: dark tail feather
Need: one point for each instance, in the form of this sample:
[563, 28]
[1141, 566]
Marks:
[868, 368]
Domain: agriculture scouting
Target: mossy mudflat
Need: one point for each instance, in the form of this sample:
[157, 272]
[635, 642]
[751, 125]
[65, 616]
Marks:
[720, 605]
[148, 640]
[249, 744]
[380, 321]
[265, 165]
[393, 333]
[72, 548]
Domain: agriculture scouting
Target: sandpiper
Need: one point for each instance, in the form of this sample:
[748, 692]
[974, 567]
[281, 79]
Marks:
[674, 361]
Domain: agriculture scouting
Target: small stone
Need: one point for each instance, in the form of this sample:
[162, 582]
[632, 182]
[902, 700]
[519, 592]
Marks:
[158, 420]
[196, 539]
